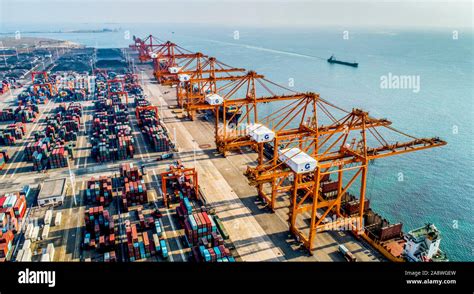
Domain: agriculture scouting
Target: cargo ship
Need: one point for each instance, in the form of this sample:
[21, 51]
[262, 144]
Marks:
[332, 59]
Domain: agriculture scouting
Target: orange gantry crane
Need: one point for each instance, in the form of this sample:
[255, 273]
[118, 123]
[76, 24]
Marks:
[178, 173]
[165, 60]
[40, 80]
[145, 47]
[116, 88]
[201, 80]
[150, 108]
[236, 103]
[342, 148]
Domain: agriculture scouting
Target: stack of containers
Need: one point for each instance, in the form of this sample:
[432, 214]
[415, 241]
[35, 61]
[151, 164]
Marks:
[184, 209]
[50, 149]
[100, 230]
[6, 242]
[110, 256]
[29, 97]
[212, 254]
[155, 132]
[72, 87]
[11, 133]
[135, 191]
[26, 113]
[64, 125]
[99, 191]
[4, 158]
[112, 135]
[7, 114]
[41, 146]
[141, 101]
[13, 204]
[199, 225]
[140, 245]
[58, 157]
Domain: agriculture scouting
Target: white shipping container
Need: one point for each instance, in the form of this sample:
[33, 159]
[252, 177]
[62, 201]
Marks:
[34, 235]
[57, 219]
[260, 133]
[45, 233]
[19, 255]
[173, 69]
[156, 240]
[29, 230]
[297, 160]
[184, 78]
[2, 219]
[48, 216]
[50, 250]
[45, 258]
[26, 244]
[26, 256]
[214, 99]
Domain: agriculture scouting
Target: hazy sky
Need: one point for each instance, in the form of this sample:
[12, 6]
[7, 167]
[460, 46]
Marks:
[402, 13]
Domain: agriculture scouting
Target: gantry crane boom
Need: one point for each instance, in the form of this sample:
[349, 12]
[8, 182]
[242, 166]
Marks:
[145, 47]
[334, 155]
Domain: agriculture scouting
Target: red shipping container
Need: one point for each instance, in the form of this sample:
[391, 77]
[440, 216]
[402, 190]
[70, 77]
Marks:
[134, 234]
[2, 200]
[3, 250]
[203, 221]
[213, 254]
[6, 237]
[146, 241]
[112, 239]
[207, 221]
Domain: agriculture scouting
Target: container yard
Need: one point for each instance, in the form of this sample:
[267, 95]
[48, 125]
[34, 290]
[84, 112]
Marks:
[187, 142]
[177, 165]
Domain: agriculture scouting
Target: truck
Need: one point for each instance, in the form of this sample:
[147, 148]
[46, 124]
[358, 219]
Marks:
[347, 254]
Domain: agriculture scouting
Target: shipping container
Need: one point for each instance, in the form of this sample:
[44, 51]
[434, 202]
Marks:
[51, 251]
[45, 257]
[26, 244]
[57, 219]
[48, 217]
[45, 233]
